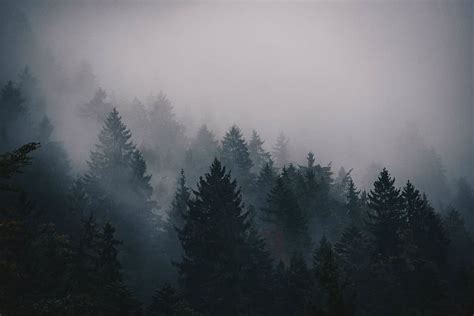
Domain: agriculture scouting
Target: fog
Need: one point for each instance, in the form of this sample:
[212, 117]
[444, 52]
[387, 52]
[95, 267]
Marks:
[343, 79]
[236, 157]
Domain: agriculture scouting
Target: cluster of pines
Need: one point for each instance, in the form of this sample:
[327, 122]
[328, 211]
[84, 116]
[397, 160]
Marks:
[254, 236]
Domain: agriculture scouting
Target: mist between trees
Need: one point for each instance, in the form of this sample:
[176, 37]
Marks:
[118, 205]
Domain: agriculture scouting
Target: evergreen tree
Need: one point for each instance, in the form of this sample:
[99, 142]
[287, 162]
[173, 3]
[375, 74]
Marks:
[201, 152]
[258, 155]
[288, 230]
[216, 246]
[236, 158]
[177, 213]
[281, 153]
[169, 151]
[387, 221]
[327, 272]
[265, 182]
[353, 204]
[98, 107]
[258, 275]
[425, 225]
[117, 189]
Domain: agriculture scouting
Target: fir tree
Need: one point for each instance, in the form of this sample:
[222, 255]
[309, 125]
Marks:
[387, 221]
[353, 204]
[299, 285]
[265, 182]
[289, 228]
[117, 189]
[98, 107]
[425, 225]
[236, 158]
[327, 272]
[258, 155]
[177, 213]
[281, 153]
[216, 246]
[201, 152]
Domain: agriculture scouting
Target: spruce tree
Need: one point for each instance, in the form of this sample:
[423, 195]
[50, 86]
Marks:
[236, 158]
[176, 216]
[353, 204]
[386, 219]
[299, 285]
[214, 240]
[288, 225]
[98, 107]
[258, 155]
[117, 189]
[425, 225]
[265, 182]
[201, 152]
[328, 275]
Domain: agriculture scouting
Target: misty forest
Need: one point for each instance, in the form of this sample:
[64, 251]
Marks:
[236, 158]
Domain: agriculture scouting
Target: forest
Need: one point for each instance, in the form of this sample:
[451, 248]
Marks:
[142, 215]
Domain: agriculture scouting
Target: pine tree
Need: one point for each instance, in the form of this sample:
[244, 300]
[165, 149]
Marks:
[281, 153]
[177, 213]
[461, 260]
[306, 186]
[117, 189]
[299, 285]
[387, 221]
[258, 155]
[258, 279]
[425, 225]
[236, 158]
[289, 230]
[98, 107]
[327, 272]
[169, 151]
[265, 182]
[201, 152]
[216, 246]
[341, 184]
[353, 204]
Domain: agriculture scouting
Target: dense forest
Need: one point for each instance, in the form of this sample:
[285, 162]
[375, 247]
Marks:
[247, 232]
[304, 194]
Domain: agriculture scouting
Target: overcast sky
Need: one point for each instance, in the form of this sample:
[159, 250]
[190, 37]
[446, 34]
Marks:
[342, 78]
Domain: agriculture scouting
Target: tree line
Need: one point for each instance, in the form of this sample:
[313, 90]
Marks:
[257, 234]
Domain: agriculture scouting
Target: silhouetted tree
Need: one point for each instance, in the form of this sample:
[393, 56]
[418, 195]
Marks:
[386, 217]
[236, 158]
[258, 155]
[215, 240]
[288, 231]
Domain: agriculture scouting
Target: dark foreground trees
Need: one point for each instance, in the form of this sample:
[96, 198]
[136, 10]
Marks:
[220, 252]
